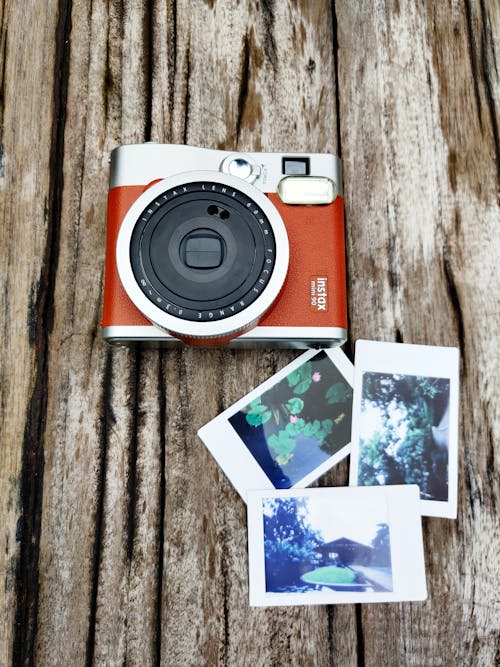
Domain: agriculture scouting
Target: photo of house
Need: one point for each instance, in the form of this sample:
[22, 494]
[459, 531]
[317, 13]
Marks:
[316, 543]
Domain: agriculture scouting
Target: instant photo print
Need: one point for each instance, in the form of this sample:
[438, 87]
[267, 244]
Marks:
[291, 429]
[335, 545]
[405, 421]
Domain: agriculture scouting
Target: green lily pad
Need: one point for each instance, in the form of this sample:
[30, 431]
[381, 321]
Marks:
[295, 405]
[257, 419]
[338, 393]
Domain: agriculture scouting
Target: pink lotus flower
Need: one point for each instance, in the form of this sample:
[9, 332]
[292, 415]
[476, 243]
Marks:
[316, 377]
[293, 419]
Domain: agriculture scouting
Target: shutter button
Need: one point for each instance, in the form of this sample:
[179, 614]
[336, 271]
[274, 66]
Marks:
[241, 166]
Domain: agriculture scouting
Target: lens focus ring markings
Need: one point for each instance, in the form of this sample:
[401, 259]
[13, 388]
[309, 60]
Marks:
[179, 307]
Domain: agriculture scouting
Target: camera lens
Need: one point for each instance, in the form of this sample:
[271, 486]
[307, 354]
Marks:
[203, 251]
[202, 254]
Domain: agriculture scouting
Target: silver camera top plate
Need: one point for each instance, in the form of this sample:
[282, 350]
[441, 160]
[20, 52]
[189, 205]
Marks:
[140, 164]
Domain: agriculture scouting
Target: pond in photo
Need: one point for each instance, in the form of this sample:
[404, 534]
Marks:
[298, 424]
[313, 543]
[404, 432]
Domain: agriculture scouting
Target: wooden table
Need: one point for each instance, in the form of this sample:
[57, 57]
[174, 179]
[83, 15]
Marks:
[121, 540]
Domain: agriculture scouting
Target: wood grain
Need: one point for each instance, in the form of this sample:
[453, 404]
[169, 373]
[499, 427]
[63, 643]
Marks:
[422, 246]
[122, 541]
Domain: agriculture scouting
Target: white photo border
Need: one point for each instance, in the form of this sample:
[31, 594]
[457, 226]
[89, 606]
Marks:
[233, 455]
[408, 359]
[406, 543]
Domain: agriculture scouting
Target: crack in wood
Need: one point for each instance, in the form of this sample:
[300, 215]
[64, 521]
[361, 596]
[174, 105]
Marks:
[473, 59]
[490, 466]
[331, 643]
[162, 407]
[135, 381]
[487, 41]
[360, 647]
[171, 61]
[335, 51]
[31, 488]
[455, 302]
[187, 95]
[268, 26]
[243, 92]
[469, 474]
[106, 422]
[149, 48]
[2, 100]
[225, 589]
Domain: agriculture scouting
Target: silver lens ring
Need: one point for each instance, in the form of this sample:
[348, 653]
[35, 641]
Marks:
[177, 325]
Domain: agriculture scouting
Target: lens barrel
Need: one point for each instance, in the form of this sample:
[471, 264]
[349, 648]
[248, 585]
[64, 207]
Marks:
[202, 254]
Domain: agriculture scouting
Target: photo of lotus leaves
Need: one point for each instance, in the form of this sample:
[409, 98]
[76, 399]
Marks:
[404, 432]
[298, 424]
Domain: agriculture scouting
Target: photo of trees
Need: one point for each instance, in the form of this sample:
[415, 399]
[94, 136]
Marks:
[404, 432]
[313, 543]
[299, 423]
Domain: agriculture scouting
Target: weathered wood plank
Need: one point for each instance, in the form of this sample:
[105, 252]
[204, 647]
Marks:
[89, 489]
[32, 106]
[419, 121]
[261, 55]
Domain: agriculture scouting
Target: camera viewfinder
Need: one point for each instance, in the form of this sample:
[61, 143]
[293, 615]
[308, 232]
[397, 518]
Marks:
[295, 166]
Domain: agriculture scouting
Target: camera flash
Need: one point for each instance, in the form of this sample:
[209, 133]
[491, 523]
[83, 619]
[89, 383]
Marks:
[307, 190]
